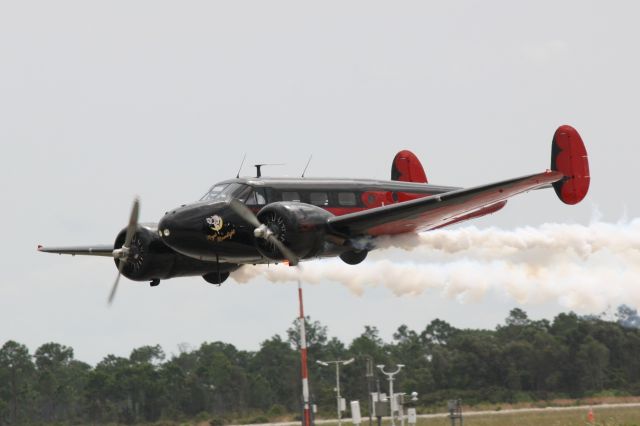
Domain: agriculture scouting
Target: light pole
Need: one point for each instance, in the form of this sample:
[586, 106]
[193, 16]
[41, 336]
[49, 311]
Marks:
[369, 376]
[390, 375]
[338, 398]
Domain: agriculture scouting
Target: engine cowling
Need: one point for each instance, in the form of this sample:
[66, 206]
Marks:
[150, 258]
[300, 226]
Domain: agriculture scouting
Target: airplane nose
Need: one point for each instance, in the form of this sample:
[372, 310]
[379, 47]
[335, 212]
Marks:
[165, 225]
[180, 224]
[191, 230]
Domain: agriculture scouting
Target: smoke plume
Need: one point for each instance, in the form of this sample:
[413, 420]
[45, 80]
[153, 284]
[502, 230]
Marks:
[583, 267]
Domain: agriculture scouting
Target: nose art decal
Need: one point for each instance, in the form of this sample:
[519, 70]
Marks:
[218, 229]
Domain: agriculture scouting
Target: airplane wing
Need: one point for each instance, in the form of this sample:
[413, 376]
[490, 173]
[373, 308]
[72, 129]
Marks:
[438, 210]
[95, 250]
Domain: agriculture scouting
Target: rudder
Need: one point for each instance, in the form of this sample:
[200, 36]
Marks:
[407, 168]
[569, 157]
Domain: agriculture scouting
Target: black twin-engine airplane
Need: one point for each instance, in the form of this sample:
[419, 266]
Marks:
[269, 220]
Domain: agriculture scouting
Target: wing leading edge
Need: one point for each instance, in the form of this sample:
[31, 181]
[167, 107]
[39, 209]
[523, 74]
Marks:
[95, 250]
[438, 210]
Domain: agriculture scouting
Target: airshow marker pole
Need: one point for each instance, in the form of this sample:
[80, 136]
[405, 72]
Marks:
[391, 394]
[306, 418]
[338, 397]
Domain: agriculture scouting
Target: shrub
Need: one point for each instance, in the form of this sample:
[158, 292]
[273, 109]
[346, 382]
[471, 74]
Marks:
[276, 410]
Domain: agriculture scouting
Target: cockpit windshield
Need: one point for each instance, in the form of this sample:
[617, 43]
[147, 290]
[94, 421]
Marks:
[214, 192]
[227, 191]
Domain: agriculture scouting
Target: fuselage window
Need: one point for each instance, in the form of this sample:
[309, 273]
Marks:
[319, 198]
[290, 196]
[346, 198]
[256, 198]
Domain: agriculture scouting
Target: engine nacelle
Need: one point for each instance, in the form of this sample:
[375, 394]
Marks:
[300, 226]
[150, 258]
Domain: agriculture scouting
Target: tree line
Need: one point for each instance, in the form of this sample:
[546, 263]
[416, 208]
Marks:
[522, 359]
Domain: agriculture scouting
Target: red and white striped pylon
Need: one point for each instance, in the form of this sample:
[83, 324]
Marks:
[303, 362]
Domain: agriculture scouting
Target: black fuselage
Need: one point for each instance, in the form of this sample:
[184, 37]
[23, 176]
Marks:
[209, 230]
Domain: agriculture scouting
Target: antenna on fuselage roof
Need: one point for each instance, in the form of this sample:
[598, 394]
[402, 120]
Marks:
[241, 164]
[259, 166]
[305, 167]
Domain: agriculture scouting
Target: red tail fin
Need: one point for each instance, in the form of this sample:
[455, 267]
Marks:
[407, 168]
[569, 156]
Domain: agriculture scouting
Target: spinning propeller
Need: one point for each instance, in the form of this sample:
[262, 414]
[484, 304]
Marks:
[124, 254]
[263, 231]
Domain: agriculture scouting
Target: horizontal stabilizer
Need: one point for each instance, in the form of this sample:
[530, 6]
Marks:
[95, 250]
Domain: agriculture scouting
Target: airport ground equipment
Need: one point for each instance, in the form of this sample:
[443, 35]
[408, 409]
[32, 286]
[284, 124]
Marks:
[455, 411]
[340, 402]
[393, 402]
[356, 418]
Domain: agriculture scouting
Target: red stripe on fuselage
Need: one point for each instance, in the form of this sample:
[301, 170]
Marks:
[373, 199]
[339, 211]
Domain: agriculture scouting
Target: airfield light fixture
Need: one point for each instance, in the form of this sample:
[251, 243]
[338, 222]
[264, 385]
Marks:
[369, 378]
[390, 375]
[338, 396]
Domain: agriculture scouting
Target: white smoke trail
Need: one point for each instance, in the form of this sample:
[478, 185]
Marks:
[581, 267]
[622, 239]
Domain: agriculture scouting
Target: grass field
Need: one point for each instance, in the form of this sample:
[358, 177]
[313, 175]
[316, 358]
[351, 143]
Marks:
[627, 416]
[569, 416]
[617, 416]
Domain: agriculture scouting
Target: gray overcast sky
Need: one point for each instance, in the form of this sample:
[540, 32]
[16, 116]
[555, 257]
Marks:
[100, 101]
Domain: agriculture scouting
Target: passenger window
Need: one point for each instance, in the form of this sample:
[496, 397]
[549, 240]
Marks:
[319, 198]
[346, 198]
[256, 198]
[290, 196]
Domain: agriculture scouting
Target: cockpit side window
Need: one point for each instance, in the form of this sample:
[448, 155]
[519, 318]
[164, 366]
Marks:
[242, 194]
[256, 198]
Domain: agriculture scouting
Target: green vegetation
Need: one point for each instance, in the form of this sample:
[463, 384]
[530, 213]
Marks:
[624, 416]
[522, 361]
